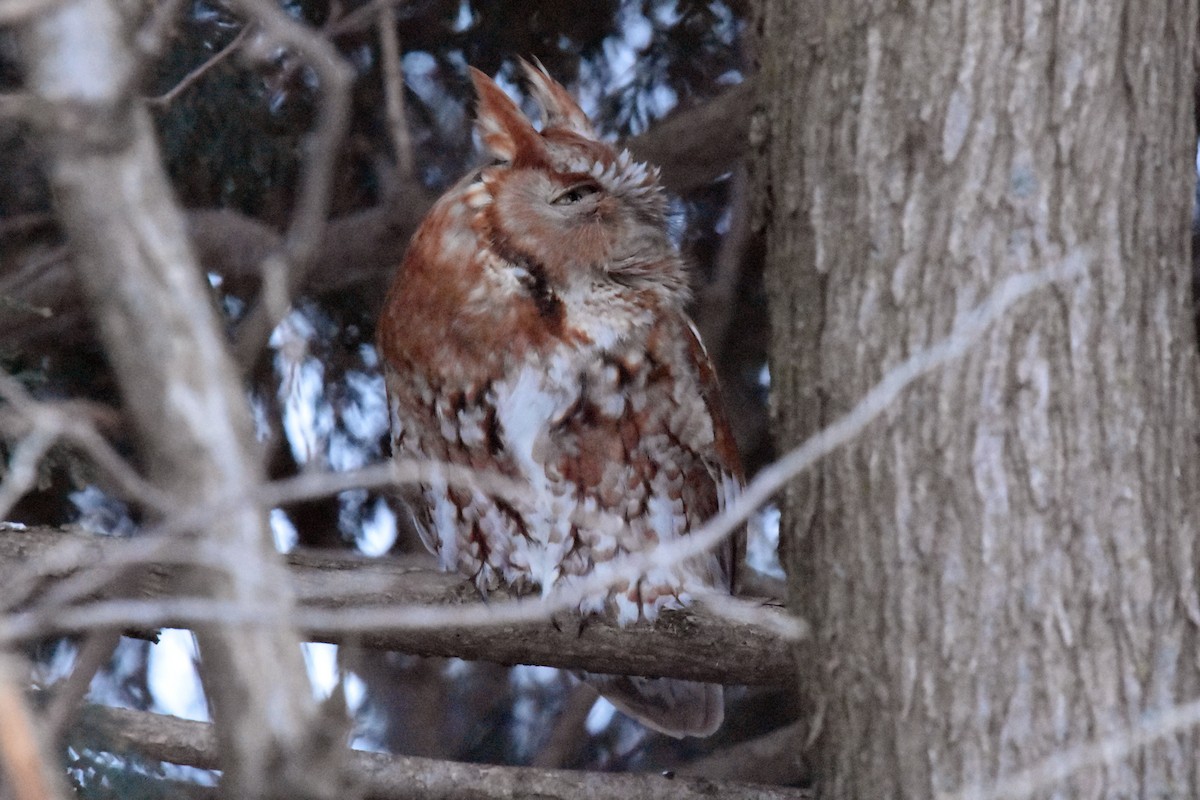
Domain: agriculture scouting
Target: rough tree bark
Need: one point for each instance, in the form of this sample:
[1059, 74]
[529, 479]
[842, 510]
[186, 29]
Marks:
[146, 292]
[1004, 566]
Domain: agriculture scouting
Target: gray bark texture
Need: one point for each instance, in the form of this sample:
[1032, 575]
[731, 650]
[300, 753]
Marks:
[145, 290]
[1004, 565]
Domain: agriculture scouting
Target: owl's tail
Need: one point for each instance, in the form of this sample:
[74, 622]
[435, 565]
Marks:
[675, 707]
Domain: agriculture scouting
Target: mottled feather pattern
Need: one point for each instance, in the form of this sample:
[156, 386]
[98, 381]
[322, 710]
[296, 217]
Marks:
[537, 329]
[620, 453]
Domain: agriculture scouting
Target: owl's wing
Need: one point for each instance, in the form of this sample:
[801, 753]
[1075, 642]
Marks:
[672, 706]
[723, 479]
[411, 497]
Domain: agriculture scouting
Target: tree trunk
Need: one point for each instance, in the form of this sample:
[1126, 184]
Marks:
[1003, 566]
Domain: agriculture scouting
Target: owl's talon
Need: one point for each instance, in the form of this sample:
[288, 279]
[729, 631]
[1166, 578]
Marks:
[473, 587]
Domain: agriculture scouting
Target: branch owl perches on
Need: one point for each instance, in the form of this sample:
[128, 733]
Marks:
[537, 328]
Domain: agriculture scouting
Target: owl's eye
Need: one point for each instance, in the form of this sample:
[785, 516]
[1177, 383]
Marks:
[575, 194]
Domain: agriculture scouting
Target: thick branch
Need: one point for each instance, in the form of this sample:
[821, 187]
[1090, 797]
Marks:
[776, 757]
[385, 776]
[693, 644]
[695, 146]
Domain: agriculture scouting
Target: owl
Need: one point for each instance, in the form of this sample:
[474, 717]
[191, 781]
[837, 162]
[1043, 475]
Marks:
[536, 328]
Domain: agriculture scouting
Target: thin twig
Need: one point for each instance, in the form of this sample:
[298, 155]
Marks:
[718, 295]
[23, 468]
[393, 91]
[19, 223]
[17, 11]
[308, 486]
[54, 421]
[25, 107]
[1057, 768]
[96, 651]
[359, 18]
[31, 266]
[750, 612]
[308, 222]
[188, 80]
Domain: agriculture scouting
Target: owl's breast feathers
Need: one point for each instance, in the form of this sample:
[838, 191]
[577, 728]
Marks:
[620, 448]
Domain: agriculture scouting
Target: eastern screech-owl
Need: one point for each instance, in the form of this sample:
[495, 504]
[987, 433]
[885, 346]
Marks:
[537, 328]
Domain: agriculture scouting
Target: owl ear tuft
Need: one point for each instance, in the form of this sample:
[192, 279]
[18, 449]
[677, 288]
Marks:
[561, 110]
[505, 131]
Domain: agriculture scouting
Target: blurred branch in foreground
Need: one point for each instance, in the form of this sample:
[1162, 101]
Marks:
[385, 776]
[27, 772]
[182, 395]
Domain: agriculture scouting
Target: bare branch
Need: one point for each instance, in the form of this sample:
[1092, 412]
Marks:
[188, 80]
[388, 475]
[742, 611]
[694, 146]
[55, 421]
[94, 654]
[359, 18]
[20, 223]
[23, 468]
[393, 91]
[776, 757]
[289, 267]
[16, 11]
[384, 776]
[381, 603]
